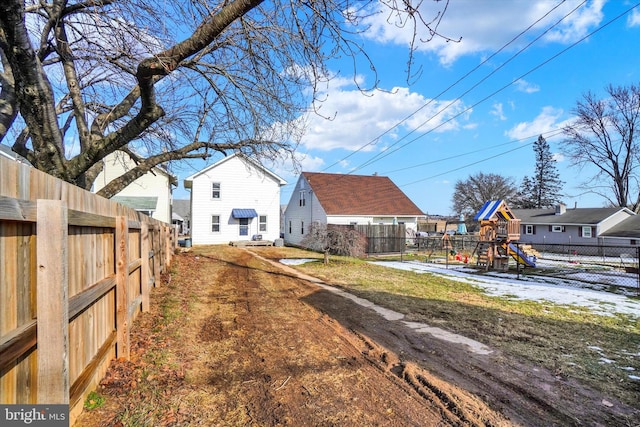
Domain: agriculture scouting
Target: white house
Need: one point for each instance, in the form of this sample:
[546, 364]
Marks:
[234, 199]
[150, 193]
[346, 199]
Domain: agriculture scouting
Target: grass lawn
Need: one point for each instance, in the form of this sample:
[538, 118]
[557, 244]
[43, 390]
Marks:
[601, 351]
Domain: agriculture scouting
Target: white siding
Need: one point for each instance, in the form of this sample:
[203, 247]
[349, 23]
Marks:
[296, 215]
[155, 184]
[242, 186]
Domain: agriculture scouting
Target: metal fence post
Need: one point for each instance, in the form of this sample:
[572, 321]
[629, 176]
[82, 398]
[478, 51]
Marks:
[638, 268]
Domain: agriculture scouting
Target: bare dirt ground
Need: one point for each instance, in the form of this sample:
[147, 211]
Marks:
[234, 340]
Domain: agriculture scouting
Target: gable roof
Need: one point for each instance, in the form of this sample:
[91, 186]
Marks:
[341, 194]
[182, 207]
[7, 152]
[120, 158]
[629, 228]
[577, 216]
[240, 156]
[493, 210]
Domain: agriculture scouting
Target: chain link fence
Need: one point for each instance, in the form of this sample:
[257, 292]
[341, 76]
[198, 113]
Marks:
[615, 268]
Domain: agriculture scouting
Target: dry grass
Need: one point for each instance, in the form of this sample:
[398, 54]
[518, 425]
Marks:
[602, 351]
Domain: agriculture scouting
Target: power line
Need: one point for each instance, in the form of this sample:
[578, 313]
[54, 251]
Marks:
[547, 134]
[386, 153]
[374, 140]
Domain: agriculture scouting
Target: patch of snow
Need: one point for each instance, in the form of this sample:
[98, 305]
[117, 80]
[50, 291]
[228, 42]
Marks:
[557, 291]
[634, 377]
[475, 346]
[605, 360]
[297, 261]
[393, 316]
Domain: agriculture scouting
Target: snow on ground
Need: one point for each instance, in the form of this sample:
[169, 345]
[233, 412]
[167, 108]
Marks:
[553, 290]
[557, 291]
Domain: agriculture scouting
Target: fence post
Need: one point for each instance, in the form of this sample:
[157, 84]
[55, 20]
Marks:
[122, 287]
[144, 265]
[638, 268]
[52, 297]
[168, 247]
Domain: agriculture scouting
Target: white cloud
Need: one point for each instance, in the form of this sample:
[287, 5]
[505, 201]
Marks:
[526, 87]
[497, 111]
[549, 120]
[486, 26]
[634, 18]
[358, 119]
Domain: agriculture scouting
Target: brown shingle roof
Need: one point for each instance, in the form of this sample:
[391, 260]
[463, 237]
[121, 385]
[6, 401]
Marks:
[341, 194]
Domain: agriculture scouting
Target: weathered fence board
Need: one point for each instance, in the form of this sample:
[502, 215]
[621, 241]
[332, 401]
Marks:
[76, 269]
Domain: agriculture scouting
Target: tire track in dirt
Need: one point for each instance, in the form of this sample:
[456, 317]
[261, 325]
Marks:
[525, 394]
[301, 367]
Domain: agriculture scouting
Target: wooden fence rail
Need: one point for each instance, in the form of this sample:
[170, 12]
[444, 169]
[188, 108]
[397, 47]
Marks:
[76, 270]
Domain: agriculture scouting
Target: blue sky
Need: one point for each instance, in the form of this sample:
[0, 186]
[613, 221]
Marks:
[446, 125]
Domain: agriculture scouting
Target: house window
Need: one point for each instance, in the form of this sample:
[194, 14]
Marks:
[262, 226]
[215, 223]
[289, 226]
[244, 226]
[529, 229]
[557, 228]
[301, 227]
[303, 201]
[633, 242]
[586, 232]
[215, 190]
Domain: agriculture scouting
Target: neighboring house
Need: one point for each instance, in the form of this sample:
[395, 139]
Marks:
[569, 226]
[6, 151]
[346, 199]
[150, 194]
[181, 216]
[234, 199]
[625, 233]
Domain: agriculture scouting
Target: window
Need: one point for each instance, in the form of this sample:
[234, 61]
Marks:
[557, 228]
[303, 202]
[586, 232]
[301, 227]
[244, 226]
[215, 223]
[289, 226]
[262, 226]
[215, 190]
[529, 229]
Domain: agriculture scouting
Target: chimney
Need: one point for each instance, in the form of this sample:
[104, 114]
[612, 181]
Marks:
[561, 208]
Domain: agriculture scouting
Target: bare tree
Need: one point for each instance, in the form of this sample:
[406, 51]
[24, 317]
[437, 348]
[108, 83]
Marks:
[334, 239]
[171, 80]
[469, 195]
[604, 136]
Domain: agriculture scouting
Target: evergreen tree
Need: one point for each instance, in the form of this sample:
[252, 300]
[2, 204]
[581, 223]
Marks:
[543, 189]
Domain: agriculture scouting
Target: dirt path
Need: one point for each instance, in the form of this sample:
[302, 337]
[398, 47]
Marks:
[255, 344]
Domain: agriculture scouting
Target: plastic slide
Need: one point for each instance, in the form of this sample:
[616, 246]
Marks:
[521, 257]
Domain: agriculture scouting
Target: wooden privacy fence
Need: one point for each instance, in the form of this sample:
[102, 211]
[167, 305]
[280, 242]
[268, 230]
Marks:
[76, 270]
[383, 238]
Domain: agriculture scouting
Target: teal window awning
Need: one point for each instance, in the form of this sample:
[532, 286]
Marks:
[244, 213]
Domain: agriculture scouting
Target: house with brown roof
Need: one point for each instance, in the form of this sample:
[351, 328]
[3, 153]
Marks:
[346, 199]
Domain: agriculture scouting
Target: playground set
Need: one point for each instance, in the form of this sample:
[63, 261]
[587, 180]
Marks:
[499, 234]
